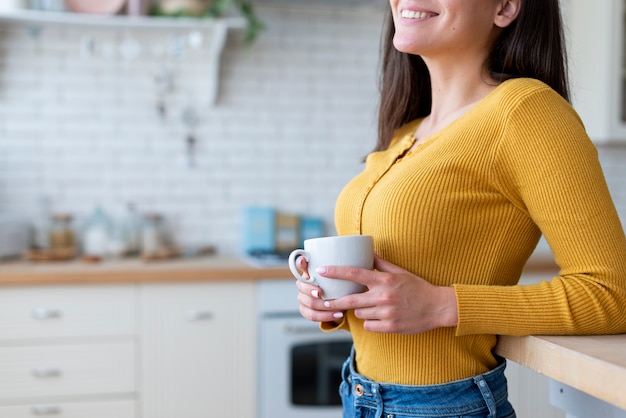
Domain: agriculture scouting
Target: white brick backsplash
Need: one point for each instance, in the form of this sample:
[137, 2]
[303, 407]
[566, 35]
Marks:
[296, 113]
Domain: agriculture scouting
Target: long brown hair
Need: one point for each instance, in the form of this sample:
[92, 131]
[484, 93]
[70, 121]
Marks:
[532, 46]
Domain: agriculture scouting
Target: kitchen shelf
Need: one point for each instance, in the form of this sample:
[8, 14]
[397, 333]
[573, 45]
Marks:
[82, 19]
[218, 27]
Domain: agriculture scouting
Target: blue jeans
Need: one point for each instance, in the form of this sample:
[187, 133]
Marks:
[483, 396]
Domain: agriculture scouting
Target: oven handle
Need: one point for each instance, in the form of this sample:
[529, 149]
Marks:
[289, 328]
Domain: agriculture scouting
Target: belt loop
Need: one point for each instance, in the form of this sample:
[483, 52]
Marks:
[380, 407]
[487, 395]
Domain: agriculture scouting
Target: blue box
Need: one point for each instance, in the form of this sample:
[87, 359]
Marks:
[258, 230]
[310, 228]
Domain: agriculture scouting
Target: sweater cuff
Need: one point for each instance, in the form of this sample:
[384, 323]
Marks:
[469, 308]
[488, 310]
[333, 326]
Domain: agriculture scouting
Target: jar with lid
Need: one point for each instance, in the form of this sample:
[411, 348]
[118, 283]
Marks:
[152, 241]
[96, 234]
[133, 223]
[61, 233]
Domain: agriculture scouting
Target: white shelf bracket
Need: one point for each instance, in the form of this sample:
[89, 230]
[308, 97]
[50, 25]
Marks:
[220, 33]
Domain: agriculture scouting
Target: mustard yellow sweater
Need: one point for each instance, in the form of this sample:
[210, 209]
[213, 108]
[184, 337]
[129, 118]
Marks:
[466, 208]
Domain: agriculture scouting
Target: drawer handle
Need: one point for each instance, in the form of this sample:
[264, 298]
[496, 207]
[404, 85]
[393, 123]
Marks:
[301, 329]
[45, 410]
[46, 372]
[199, 315]
[46, 313]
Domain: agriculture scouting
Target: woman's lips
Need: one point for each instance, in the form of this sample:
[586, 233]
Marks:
[416, 14]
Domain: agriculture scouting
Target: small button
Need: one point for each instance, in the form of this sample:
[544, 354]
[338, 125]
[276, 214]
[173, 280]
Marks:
[358, 389]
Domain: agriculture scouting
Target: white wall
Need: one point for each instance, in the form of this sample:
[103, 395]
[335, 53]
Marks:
[295, 115]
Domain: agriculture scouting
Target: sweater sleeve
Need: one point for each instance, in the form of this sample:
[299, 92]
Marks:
[547, 167]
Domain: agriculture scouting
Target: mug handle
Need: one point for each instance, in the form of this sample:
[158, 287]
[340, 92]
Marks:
[294, 270]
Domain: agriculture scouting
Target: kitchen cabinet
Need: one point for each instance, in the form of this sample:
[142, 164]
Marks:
[198, 351]
[96, 409]
[68, 351]
[595, 42]
[168, 339]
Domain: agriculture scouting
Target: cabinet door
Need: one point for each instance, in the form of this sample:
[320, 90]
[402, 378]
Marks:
[95, 409]
[199, 349]
[66, 311]
[28, 372]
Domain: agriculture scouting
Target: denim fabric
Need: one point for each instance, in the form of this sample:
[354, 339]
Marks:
[483, 396]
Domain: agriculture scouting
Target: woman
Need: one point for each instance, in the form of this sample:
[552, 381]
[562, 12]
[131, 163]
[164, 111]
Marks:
[479, 154]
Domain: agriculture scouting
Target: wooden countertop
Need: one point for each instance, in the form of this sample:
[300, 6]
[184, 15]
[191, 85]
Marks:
[207, 268]
[595, 365]
[210, 268]
[135, 270]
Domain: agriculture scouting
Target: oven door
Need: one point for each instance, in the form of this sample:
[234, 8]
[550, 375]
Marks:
[300, 368]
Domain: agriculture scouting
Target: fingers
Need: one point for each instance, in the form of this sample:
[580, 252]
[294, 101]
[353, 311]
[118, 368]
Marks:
[360, 275]
[308, 289]
[313, 307]
[354, 274]
[384, 265]
[303, 266]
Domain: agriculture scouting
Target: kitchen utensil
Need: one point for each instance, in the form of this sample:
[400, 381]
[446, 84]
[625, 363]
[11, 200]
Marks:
[190, 120]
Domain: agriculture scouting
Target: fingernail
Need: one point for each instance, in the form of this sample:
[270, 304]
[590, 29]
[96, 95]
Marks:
[327, 304]
[315, 293]
[320, 270]
[338, 315]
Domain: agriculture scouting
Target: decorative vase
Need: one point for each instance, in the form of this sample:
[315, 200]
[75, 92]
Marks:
[108, 7]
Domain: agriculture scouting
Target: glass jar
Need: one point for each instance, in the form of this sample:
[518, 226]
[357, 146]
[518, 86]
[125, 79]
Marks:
[61, 233]
[96, 234]
[152, 234]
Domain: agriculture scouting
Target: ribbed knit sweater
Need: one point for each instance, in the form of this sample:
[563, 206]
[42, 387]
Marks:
[466, 208]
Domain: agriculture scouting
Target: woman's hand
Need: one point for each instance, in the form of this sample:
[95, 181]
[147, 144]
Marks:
[397, 301]
[312, 306]
[310, 297]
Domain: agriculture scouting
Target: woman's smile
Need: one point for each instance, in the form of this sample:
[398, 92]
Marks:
[414, 14]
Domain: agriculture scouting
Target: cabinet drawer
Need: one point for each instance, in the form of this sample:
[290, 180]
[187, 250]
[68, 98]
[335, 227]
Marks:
[66, 311]
[59, 370]
[111, 409]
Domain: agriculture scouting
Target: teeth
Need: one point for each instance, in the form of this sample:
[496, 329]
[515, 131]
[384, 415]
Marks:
[411, 14]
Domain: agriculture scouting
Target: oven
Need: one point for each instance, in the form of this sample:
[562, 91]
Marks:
[299, 365]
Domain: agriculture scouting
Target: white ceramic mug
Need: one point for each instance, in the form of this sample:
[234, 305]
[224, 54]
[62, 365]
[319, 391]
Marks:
[347, 250]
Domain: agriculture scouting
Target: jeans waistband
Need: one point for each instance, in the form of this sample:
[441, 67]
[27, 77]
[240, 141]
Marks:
[462, 397]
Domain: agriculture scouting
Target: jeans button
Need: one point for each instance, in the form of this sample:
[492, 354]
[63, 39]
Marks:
[358, 389]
